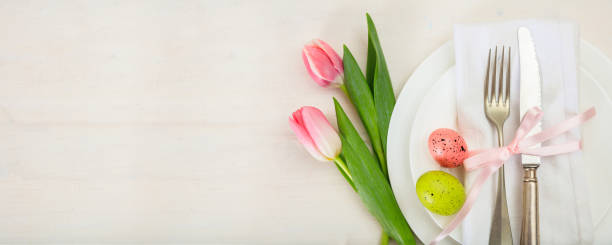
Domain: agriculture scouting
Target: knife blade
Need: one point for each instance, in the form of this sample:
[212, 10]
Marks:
[530, 96]
[530, 85]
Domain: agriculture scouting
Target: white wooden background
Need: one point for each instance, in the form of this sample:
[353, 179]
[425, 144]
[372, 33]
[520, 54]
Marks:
[166, 121]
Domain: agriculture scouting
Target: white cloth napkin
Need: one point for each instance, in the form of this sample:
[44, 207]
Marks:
[565, 216]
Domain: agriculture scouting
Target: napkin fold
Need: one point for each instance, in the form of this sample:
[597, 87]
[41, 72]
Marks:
[565, 216]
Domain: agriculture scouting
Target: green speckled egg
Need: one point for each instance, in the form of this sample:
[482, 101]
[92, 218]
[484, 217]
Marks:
[440, 192]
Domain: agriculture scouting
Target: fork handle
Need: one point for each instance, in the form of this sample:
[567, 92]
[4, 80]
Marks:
[501, 232]
[530, 231]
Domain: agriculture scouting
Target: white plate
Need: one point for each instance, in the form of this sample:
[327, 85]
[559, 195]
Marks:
[435, 78]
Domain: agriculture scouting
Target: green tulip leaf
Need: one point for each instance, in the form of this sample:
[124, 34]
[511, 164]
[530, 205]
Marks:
[370, 182]
[360, 94]
[377, 71]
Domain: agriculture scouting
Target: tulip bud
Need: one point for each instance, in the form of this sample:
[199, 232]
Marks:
[316, 133]
[323, 63]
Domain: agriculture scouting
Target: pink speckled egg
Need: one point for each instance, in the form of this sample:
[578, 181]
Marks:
[447, 147]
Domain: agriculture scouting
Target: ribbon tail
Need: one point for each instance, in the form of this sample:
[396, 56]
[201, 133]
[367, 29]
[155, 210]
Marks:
[472, 153]
[467, 205]
[558, 129]
[553, 149]
[529, 121]
[485, 158]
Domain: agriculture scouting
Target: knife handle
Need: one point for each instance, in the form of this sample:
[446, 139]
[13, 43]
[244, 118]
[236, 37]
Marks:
[530, 231]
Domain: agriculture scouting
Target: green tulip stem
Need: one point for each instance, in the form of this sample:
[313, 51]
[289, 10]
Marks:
[343, 87]
[343, 167]
[344, 171]
[384, 238]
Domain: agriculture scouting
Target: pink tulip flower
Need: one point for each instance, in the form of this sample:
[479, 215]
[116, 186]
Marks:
[323, 63]
[316, 134]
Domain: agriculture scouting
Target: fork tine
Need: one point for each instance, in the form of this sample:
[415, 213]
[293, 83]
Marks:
[486, 80]
[500, 82]
[493, 80]
[508, 77]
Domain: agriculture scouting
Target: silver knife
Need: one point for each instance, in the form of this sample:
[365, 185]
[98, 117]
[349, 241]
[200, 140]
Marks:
[531, 95]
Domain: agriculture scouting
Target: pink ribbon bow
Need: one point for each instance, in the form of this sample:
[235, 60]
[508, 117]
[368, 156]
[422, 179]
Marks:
[492, 159]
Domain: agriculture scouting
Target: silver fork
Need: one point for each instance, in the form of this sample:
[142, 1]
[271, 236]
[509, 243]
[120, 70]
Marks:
[497, 109]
